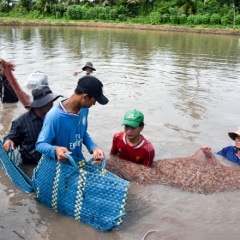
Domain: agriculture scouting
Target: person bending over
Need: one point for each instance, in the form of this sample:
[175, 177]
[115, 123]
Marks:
[26, 128]
[65, 126]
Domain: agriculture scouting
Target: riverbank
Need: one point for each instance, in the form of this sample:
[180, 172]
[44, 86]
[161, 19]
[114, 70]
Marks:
[168, 28]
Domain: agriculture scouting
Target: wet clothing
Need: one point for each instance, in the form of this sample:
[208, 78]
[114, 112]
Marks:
[230, 153]
[64, 129]
[24, 133]
[143, 153]
[7, 93]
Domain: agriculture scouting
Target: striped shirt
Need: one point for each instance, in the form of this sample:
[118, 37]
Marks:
[24, 133]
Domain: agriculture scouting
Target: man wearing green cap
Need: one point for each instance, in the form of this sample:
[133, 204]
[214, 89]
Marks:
[130, 144]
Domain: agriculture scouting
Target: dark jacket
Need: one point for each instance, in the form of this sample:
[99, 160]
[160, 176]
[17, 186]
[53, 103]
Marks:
[7, 93]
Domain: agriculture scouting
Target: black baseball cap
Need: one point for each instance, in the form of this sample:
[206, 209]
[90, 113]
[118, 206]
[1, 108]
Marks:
[93, 87]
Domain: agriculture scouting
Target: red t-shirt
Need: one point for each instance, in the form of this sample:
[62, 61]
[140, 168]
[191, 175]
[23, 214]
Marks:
[143, 153]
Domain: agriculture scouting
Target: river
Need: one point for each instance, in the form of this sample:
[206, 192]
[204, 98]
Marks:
[187, 86]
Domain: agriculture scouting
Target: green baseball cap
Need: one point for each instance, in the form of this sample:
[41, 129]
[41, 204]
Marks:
[133, 118]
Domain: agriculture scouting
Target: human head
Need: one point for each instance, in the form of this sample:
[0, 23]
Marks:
[233, 135]
[93, 87]
[90, 66]
[41, 97]
[133, 118]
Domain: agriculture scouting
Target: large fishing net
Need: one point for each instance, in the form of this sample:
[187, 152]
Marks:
[201, 173]
[8, 67]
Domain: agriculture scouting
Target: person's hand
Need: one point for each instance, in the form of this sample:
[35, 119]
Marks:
[75, 74]
[7, 145]
[98, 154]
[59, 151]
[206, 150]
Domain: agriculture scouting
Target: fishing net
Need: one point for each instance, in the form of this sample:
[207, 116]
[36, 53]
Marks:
[8, 67]
[200, 173]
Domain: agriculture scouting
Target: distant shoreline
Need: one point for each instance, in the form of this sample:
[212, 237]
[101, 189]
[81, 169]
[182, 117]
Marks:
[168, 28]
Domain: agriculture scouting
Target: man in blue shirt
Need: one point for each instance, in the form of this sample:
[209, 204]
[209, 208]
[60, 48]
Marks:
[232, 153]
[65, 126]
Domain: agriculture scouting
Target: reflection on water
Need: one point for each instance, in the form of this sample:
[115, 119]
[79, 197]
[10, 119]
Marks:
[6, 117]
[187, 85]
[19, 214]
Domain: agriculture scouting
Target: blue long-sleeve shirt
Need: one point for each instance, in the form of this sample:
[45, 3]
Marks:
[230, 153]
[64, 129]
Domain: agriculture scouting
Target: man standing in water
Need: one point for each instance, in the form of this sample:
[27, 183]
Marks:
[88, 68]
[65, 126]
[26, 128]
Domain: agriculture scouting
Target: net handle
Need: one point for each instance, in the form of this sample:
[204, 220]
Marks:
[71, 160]
[103, 162]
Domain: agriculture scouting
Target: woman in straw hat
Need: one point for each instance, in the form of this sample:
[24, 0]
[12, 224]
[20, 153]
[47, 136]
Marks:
[232, 153]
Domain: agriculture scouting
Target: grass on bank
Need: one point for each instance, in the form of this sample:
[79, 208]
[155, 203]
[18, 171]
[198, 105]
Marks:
[19, 19]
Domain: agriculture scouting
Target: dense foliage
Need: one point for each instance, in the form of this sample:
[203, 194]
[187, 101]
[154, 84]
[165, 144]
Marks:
[176, 12]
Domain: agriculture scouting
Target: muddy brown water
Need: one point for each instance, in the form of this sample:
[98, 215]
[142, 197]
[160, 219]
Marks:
[187, 86]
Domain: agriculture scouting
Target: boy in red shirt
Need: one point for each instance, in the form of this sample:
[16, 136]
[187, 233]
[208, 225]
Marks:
[130, 144]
